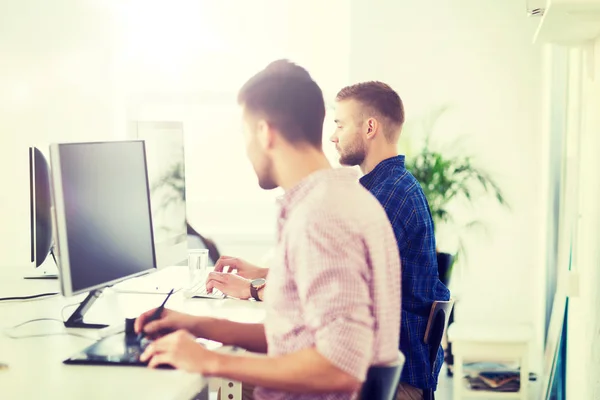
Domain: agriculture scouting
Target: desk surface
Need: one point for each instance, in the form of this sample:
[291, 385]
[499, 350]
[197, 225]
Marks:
[35, 364]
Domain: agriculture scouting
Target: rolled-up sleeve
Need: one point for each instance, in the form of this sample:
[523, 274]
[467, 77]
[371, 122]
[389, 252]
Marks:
[331, 272]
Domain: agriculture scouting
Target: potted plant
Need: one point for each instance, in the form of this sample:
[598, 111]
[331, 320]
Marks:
[446, 178]
[169, 188]
[173, 183]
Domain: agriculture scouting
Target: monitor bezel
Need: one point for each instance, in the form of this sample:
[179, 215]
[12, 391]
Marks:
[60, 221]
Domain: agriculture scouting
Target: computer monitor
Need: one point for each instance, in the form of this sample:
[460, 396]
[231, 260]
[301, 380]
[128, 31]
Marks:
[103, 221]
[40, 204]
[166, 174]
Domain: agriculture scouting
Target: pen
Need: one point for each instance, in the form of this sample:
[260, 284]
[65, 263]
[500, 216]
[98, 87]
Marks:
[156, 314]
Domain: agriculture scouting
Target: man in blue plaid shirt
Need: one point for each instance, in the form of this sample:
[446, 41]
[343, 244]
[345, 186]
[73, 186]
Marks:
[369, 118]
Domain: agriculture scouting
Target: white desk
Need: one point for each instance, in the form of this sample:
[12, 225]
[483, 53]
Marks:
[35, 365]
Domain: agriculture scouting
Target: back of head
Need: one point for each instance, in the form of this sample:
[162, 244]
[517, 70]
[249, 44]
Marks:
[379, 100]
[286, 96]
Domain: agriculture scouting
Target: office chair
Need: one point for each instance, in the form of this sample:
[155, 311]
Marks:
[436, 325]
[382, 381]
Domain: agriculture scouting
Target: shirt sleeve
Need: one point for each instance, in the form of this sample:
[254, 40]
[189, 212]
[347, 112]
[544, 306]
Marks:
[332, 278]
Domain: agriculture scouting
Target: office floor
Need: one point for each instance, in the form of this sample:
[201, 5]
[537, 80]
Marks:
[444, 391]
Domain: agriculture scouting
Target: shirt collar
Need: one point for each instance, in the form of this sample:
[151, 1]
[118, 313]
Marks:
[369, 179]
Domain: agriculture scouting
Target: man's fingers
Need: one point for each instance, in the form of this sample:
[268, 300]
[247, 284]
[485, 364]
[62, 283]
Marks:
[160, 359]
[220, 287]
[222, 277]
[141, 320]
[156, 347]
[156, 326]
[219, 265]
[214, 284]
[214, 278]
[209, 286]
[149, 352]
[224, 261]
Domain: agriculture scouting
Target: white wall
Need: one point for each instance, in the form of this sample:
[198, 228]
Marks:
[79, 69]
[477, 56]
[56, 84]
[191, 72]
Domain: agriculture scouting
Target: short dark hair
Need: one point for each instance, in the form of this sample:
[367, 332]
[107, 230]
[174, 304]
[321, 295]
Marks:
[286, 95]
[378, 96]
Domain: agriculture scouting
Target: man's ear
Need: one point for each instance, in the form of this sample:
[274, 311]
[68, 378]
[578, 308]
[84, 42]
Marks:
[372, 127]
[265, 134]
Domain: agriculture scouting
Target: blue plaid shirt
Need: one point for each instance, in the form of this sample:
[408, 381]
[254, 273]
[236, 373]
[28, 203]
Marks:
[407, 209]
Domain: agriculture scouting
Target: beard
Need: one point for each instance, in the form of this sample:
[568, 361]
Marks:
[265, 175]
[353, 155]
[266, 182]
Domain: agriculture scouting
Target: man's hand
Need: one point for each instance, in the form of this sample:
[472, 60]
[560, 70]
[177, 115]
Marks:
[180, 350]
[248, 336]
[230, 284]
[168, 322]
[240, 267]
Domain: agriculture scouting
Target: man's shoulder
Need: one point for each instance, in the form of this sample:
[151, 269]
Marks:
[346, 202]
[351, 197]
[399, 184]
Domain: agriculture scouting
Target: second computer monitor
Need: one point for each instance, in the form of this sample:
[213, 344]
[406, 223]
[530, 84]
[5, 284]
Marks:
[40, 205]
[166, 173]
[102, 213]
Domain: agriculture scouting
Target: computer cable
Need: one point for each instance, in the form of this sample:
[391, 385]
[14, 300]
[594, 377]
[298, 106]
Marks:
[8, 331]
[62, 312]
[32, 297]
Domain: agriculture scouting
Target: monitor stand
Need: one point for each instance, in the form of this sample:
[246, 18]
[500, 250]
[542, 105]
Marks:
[76, 319]
[47, 270]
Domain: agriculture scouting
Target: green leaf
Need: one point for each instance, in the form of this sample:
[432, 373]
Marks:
[446, 179]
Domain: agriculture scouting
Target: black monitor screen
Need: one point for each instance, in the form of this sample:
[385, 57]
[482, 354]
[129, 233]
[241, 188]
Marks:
[107, 220]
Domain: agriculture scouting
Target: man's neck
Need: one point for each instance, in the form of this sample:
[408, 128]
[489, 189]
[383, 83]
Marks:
[375, 157]
[295, 165]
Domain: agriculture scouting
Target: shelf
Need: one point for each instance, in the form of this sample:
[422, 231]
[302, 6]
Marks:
[569, 22]
[487, 394]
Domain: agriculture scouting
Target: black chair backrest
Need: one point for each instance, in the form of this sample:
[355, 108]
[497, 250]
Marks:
[213, 252]
[382, 381]
[436, 325]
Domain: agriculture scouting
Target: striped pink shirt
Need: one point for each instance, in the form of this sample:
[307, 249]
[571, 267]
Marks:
[335, 284]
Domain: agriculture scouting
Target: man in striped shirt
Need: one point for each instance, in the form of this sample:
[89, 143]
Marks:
[333, 299]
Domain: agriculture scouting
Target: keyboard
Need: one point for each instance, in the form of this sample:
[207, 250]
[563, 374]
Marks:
[159, 282]
[198, 290]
